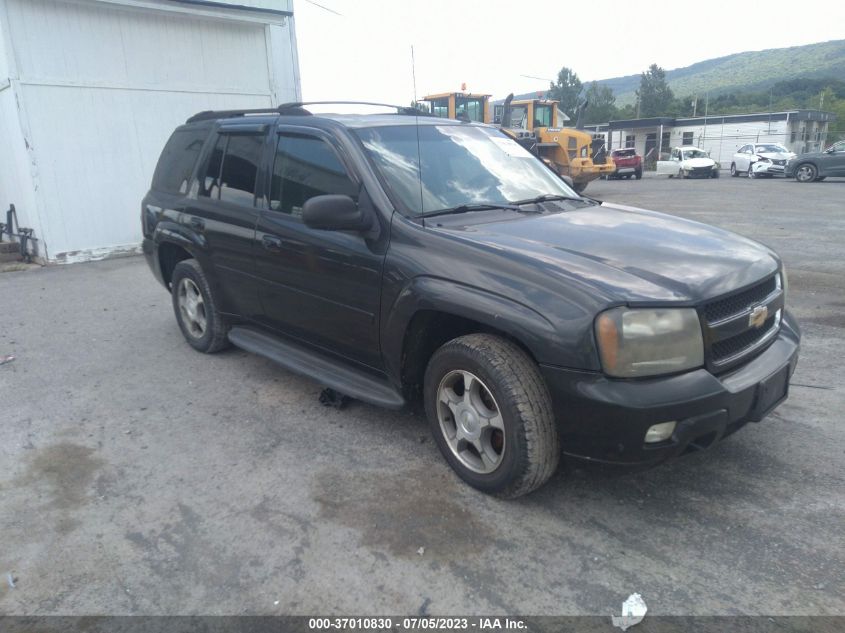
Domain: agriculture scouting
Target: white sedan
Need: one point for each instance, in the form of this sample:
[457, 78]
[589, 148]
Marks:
[760, 159]
[688, 162]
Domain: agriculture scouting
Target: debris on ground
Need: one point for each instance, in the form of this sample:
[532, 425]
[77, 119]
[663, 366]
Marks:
[11, 580]
[331, 398]
[421, 551]
[7, 359]
[633, 612]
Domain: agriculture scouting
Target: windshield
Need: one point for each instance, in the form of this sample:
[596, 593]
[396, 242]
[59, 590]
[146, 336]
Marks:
[771, 149]
[694, 153]
[453, 165]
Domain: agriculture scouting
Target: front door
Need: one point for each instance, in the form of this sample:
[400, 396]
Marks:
[322, 287]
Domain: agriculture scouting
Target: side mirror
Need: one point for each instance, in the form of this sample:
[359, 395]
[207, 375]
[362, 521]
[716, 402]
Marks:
[335, 213]
[830, 150]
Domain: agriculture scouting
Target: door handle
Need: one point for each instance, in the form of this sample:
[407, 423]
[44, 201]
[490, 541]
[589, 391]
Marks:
[271, 243]
[197, 224]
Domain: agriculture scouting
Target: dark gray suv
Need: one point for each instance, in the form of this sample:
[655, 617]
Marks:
[817, 166]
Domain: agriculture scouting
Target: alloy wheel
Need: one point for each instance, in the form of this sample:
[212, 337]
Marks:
[192, 308]
[471, 421]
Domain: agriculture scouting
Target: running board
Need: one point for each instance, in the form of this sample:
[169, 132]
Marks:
[321, 367]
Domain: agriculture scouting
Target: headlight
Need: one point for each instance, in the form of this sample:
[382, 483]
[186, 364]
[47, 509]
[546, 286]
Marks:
[646, 342]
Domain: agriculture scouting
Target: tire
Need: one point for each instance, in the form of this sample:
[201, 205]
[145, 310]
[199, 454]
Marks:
[196, 310]
[638, 174]
[522, 449]
[806, 172]
[715, 173]
[681, 174]
[734, 172]
[751, 171]
[628, 176]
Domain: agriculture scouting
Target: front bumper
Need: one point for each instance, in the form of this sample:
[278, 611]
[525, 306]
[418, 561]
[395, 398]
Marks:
[767, 168]
[604, 420]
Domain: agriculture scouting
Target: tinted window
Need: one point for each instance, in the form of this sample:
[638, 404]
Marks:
[174, 169]
[305, 167]
[240, 168]
[210, 183]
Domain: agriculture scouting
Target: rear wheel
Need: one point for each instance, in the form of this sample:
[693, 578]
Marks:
[195, 306]
[806, 173]
[734, 171]
[491, 415]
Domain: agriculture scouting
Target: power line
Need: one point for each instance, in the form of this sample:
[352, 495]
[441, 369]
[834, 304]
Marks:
[324, 8]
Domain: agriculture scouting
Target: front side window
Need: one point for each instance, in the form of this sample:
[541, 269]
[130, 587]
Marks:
[306, 166]
[176, 165]
[434, 167]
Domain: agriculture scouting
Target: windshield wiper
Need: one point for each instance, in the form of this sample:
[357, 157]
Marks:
[549, 197]
[463, 208]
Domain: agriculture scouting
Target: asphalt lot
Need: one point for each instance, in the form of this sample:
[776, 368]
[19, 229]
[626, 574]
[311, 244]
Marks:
[138, 476]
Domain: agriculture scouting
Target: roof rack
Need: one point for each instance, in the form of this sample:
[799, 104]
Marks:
[293, 108]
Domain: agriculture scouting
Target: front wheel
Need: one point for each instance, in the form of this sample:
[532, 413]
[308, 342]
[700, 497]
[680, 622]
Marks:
[734, 171]
[806, 173]
[491, 415]
[682, 173]
[751, 171]
[715, 173]
[638, 174]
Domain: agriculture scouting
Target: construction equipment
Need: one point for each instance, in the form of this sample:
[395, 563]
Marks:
[460, 105]
[569, 151]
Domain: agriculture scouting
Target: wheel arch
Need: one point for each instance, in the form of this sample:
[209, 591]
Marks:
[430, 311]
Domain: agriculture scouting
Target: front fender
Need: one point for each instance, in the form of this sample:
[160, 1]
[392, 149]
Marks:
[526, 325]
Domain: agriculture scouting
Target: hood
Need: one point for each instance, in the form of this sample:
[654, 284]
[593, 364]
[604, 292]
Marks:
[777, 155]
[698, 162]
[624, 254]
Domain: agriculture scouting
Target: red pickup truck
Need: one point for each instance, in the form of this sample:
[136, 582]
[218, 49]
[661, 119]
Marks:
[628, 163]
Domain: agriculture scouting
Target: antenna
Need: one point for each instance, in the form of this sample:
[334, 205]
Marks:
[414, 74]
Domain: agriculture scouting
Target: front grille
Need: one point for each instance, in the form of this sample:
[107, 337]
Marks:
[735, 304]
[779, 162]
[730, 338]
[736, 344]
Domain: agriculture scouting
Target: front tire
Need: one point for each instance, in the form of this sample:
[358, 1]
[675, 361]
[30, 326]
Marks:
[491, 415]
[806, 173]
[734, 172]
[751, 171]
[196, 310]
[638, 174]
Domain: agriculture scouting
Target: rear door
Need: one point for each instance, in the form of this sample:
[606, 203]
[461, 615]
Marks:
[833, 163]
[322, 287]
[225, 211]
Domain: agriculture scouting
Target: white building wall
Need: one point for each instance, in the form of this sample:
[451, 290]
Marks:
[102, 84]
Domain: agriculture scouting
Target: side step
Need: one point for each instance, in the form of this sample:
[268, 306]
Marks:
[320, 367]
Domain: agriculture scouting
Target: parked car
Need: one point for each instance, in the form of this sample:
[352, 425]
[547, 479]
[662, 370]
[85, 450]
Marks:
[628, 163]
[689, 162]
[817, 166]
[760, 159]
[403, 259]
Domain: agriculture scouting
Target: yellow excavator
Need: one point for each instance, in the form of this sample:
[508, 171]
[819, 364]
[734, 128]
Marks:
[535, 124]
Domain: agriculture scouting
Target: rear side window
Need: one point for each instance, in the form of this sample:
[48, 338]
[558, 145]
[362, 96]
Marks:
[305, 167]
[232, 168]
[174, 169]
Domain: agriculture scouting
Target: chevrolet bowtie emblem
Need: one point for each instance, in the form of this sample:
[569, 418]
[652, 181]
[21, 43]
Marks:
[758, 316]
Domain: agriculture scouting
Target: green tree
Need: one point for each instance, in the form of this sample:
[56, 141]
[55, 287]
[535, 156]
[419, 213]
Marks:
[602, 104]
[655, 96]
[567, 90]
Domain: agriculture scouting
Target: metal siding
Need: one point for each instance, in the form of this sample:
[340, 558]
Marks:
[103, 87]
[16, 186]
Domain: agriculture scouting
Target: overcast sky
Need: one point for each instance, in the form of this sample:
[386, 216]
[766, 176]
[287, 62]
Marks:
[365, 53]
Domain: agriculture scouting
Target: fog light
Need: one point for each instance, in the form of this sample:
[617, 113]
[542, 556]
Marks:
[659, 432]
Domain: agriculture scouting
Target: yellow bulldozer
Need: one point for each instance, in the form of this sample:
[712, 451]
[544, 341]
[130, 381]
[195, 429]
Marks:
[537, 125]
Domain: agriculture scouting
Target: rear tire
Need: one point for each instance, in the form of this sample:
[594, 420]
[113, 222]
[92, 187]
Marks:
[491, 415]
[196, 310]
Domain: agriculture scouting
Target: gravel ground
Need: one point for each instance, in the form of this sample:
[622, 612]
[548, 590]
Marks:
[140, 477]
